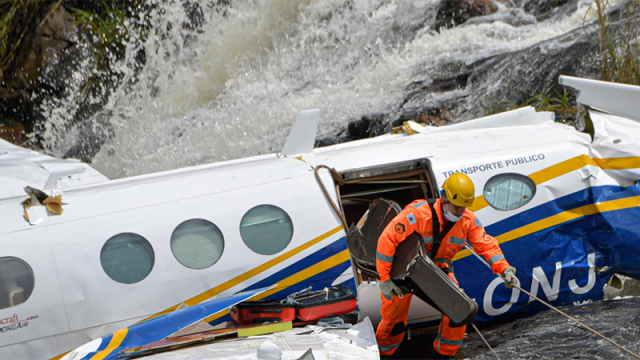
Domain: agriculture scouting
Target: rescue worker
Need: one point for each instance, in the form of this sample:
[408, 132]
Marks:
[458, 193]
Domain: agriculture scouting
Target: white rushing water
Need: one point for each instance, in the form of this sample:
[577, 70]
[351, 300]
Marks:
[234, 87]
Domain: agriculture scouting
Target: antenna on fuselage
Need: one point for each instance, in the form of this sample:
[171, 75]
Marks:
[303, 134]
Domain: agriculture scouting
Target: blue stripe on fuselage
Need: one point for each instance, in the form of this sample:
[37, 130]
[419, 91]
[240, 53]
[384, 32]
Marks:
[562, 204]
[322, 254]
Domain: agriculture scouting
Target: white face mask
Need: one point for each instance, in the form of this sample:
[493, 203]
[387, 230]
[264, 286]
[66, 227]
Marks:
[450, 216]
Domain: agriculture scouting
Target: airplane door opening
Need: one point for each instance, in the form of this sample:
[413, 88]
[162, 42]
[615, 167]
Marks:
[401, 183]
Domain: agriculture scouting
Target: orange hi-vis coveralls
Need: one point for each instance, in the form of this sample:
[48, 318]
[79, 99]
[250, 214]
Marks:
[416, 217]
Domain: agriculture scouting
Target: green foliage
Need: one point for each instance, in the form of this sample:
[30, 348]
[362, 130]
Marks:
[543, 100]
[620, 49]
[109, 30]
[108, 33]
[18, 17]
[15, 18]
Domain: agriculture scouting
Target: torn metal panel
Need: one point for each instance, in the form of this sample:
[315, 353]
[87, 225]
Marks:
[358, 342]
[20, 167]
[616, 147]
[109, 346]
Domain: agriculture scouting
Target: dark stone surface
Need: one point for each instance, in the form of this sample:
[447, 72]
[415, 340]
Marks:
[547, 335]
[456, 12]
[521, 74]
[41, 67]
[539, 7]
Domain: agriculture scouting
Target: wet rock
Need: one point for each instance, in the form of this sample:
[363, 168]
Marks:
[432, 116]
[365, 127]
[539, 7]
[546, 335]
[515, 78]
[12, 131]
[48, 65]
[440, 84]
[549, 335]
[42, 49]
[90, 136]
[456, 12]
[513, 16]
[499, 82]
[15, 107]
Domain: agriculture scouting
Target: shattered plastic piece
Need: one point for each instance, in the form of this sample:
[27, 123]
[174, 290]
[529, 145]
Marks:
[35, 214]
[54, 204]
[361, 334]
[334, 322]
[308, 355]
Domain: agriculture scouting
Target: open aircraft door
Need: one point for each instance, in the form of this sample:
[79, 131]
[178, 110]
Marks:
[399, 182]
[31, 306]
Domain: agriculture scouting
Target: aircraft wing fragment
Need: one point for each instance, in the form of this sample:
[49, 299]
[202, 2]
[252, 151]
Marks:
[109, 346]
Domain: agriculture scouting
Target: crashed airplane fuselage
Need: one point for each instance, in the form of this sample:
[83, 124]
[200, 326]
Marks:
[564, 207]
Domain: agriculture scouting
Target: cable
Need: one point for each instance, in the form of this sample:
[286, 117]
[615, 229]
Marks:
[485, 341]
[555, 309]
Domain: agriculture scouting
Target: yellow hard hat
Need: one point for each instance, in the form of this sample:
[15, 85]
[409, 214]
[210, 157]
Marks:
[459, 190]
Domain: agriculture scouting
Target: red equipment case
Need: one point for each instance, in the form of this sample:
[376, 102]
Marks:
[256, 312]
[315, 305]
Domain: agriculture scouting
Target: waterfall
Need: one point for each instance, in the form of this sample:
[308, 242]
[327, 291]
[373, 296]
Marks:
[226, 79]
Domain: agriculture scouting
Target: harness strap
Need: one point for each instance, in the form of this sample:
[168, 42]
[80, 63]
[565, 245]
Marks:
[449, 268]
[437, 237]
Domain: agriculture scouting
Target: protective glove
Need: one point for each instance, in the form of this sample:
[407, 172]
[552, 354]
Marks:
[390, 289]
[509, 277]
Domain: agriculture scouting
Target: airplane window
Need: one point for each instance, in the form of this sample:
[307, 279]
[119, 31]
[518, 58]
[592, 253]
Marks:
[197, 243]
[127, 258]
[16, 282]
[509, 191]
[266, 229]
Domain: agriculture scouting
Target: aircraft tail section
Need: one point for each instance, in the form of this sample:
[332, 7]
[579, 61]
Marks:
[303, 135]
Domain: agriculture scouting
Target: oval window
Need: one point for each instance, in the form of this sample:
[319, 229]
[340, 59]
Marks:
[16, 282]
[127, 258]
[197, 243]
[266, 229]
[509, 191]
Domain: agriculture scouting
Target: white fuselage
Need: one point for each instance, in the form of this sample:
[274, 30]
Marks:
[74, 300]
